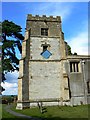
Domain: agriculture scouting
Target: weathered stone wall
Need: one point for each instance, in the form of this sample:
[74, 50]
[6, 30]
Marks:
[87, 77]
[78, 81]
[76, 84]
[87, 69]
[36, 48]
[36, 23]
[45, 80]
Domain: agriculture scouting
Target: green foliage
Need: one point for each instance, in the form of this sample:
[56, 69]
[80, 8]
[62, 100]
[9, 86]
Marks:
[75, 53]
[10, 99]
[11, 39]
[68, 49]
[11, 29]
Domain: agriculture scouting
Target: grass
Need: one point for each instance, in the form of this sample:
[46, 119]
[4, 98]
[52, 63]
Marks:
[7, 116]
[0, 111]
[58, 113]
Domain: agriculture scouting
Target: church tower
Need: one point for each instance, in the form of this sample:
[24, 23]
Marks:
[42, 77]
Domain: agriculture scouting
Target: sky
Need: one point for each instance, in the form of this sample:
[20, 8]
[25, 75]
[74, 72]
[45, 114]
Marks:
[74, 17]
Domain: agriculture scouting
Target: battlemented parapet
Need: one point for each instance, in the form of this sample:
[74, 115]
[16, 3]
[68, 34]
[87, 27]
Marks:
[51, 24]
[43, 18]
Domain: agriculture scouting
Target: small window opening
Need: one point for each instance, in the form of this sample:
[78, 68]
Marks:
[74, 66]
[88, 86]
[44, 31]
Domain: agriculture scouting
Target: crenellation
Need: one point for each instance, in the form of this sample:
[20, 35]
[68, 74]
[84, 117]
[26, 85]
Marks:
[43, 17]
[37, 16]
[58, 18]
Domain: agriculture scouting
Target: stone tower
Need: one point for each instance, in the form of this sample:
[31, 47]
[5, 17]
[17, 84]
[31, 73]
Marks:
[42, 75]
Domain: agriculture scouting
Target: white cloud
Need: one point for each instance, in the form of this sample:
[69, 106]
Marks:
[11, 83]
[63, 10]
[12, 76]
[10, 88]
[79, 43]
[8, 85]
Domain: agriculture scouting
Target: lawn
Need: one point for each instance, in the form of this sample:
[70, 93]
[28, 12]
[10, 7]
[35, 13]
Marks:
[58, 113]
[0, 111]
[6, 115]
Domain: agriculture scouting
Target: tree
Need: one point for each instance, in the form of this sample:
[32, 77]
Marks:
[11, 39]
[75, 53]
[68, 49]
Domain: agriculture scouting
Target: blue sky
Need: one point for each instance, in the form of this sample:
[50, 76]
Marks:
[74, 25]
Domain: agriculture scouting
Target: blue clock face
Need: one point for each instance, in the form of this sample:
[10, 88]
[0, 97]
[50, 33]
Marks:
[46, 54]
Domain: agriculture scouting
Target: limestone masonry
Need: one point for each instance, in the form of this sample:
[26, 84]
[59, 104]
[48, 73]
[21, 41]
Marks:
[48, 74]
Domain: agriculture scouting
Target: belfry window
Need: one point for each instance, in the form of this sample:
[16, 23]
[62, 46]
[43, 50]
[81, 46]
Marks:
[74, 66]
[44, 31]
